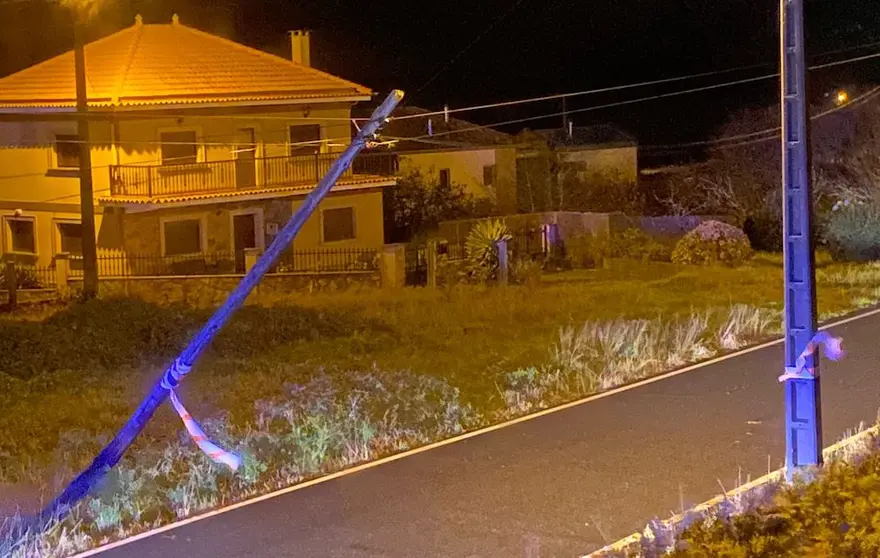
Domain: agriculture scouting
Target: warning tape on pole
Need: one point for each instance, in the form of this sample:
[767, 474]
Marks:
[217, 454]
[833, 350]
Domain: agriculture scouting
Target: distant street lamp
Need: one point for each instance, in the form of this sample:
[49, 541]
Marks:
[842, 97]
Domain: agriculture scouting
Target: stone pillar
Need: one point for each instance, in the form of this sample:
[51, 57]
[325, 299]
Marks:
[431, 255]
[250, 258]
[503, 263]
[62, 273]
[392, 266]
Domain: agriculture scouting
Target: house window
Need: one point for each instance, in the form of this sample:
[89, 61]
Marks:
[22, 235]
[488, 175]
[71, 238]
[182, 237]
[445, 181]
[304, 133]
[66, 151]
[338, 224]
[179, 147]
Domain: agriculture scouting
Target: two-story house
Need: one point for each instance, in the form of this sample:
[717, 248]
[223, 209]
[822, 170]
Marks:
[203, 146]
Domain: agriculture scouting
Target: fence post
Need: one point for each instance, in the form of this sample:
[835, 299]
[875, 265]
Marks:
[502, 262]
[393, 266]
[431, 255]
[62, 273]
[251, 255]
[11, 284]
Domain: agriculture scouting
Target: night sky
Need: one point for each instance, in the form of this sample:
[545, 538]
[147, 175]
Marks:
[534, 47]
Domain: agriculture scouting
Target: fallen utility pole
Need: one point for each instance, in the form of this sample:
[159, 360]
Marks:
[113, 452]
[86, 191]
[803, 416]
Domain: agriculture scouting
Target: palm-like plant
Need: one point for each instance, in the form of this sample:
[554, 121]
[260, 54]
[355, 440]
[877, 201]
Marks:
[482, 250]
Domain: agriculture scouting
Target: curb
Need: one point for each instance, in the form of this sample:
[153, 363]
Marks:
[632, 545]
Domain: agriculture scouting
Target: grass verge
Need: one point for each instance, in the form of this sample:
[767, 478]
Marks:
[303, 390]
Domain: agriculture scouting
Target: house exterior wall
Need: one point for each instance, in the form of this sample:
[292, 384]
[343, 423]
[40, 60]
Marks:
[143, 231]
[31, 182]
[619, 164]
[466, 168]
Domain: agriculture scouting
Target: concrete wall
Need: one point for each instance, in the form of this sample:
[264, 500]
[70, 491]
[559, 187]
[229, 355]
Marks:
[573, 224]
[466, 168]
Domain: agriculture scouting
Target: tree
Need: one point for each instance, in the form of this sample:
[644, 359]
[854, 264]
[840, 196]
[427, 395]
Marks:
[416, 205]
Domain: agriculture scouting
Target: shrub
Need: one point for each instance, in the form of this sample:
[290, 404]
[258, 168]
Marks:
[764, 231]
[852, 232]
[834, 516]
[451, 272]
[525, 272]
[481, 248]
[636, 244]
[24, 279]
[713, 242]
[587, 251]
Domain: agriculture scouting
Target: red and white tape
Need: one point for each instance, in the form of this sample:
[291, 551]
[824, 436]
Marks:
[833, 350]
[219, 455]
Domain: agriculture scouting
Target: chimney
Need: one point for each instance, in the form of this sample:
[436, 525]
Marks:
[299, 47]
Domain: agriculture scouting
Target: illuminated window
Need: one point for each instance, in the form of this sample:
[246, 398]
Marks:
[182, 237]
[338, 224]
[66, 151]
[488, 175]
[299, 135]
[179, 147]
[445, 180]
[22, 235]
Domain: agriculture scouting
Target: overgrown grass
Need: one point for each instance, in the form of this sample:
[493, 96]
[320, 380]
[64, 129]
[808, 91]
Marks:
[835, 515]
[301, 390]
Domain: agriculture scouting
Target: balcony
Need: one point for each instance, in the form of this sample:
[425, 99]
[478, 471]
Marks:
[239, 175]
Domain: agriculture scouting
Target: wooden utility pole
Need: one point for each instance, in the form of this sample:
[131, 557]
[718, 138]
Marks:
[86, 194]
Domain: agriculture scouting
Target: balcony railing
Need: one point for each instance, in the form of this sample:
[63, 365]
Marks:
[157, 181]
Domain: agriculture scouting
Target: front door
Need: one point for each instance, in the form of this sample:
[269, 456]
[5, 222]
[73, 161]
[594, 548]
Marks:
[245, 159]
[244, 233]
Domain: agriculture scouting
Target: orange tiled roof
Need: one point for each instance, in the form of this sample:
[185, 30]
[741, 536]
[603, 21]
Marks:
[167, 64]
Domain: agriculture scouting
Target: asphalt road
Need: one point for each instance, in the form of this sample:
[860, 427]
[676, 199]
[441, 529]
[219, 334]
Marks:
[560, 485]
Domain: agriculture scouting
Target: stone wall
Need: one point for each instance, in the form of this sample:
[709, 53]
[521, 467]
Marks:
[211, 290]
[30, 296]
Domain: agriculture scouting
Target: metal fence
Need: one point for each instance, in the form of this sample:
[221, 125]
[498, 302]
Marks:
[327, 260]
[29, 277]
[123, 264]
[416, 266]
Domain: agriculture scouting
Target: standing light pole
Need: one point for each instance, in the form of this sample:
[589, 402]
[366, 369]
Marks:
[803, 417]
[86, 195]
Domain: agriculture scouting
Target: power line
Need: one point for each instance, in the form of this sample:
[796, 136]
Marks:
[726, 142]
[632, 86]
[611, 105]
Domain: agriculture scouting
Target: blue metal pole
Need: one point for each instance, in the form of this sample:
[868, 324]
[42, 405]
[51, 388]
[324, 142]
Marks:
[803, 419]
[111, 454]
